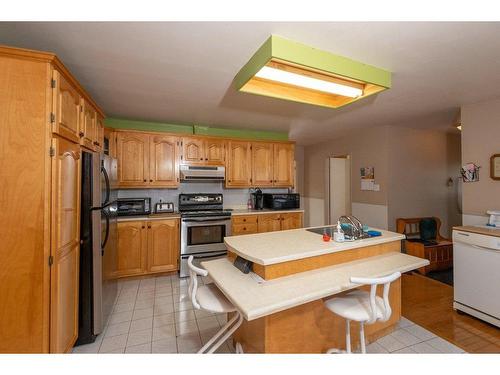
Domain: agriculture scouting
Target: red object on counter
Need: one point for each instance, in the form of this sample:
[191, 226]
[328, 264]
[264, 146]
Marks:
[326, 237]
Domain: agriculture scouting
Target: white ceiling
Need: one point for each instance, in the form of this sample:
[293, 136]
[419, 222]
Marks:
[182, 72]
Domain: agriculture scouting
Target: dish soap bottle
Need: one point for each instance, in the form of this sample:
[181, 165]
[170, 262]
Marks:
[338, 236]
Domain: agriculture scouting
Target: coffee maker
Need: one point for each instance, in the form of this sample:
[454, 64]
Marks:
[258, 199]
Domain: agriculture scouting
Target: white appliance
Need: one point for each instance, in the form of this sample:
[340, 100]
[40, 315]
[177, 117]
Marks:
[476, 262]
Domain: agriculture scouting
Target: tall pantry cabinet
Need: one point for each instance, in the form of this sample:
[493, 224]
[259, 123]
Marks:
[40, 165]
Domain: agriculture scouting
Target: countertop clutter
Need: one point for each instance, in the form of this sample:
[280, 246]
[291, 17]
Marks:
[277, 247]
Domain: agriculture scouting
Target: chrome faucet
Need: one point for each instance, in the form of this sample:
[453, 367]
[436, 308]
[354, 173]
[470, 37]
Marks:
[354, 228]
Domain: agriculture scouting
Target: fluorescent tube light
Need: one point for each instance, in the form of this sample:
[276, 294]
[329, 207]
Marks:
[295, 79]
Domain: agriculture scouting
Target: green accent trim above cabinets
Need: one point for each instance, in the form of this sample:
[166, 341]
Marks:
[243, 134]
[195, 129]
[148, 126]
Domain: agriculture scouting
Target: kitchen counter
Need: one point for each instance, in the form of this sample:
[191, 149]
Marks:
[162, 216]
[283, 246]
[236, 212]
[256, 299]
[488, 231]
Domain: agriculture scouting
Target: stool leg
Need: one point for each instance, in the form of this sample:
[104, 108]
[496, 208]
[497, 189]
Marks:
[362, 337]
[348, 336]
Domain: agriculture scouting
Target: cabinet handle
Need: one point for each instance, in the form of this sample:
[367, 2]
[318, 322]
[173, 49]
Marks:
[206, 158]
[81, 134]
[143, 227]
[201, 158]
[244, 228]
[229, 181]
[144, 180]
[244, 219]
[150, 180]
[149, 226]
[271, 181]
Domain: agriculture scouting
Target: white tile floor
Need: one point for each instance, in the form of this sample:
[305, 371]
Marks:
[154, 315]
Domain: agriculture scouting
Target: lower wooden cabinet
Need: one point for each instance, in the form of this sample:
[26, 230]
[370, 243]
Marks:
[260, 223]
[146, 247]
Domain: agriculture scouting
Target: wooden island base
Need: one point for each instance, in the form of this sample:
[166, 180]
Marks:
[311, 328]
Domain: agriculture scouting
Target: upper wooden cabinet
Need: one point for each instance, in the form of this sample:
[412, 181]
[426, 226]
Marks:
[238, 166]
[66, 102]
[88, 126]
[163, 161]
[147, 160]
[262, 164]
[283, 170]
[203, 151]
[133, 159]
[99, 133]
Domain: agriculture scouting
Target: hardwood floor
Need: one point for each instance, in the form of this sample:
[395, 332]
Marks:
[429, 303]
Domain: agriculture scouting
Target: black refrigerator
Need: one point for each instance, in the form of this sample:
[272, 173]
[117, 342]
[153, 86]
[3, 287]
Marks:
[98, 238]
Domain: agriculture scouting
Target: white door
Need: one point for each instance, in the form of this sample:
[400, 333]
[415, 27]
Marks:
[338, 188]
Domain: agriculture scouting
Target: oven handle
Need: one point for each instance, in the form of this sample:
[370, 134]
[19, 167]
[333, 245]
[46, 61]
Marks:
[205, 220]
[203, 256]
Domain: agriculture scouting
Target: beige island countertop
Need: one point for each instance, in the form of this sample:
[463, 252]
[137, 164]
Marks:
[283, 246]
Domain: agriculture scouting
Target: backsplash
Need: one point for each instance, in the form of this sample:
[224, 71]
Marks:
[233, 198]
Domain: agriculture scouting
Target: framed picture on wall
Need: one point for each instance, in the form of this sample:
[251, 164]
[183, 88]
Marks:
[495, 167]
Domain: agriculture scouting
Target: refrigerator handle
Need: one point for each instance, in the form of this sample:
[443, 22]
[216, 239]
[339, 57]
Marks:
[106, 236]
[108, 189]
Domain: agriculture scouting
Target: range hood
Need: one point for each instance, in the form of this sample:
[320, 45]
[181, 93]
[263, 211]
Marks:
[202, 173]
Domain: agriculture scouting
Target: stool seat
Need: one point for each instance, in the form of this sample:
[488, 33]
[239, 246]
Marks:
[211, 298]
[355, 306]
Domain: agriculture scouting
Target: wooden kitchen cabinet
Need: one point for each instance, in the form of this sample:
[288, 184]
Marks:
[133, 159]
[88, 126]
[238, 166]
[283, 170]
[40, 166]
[262, 164]
[268, 222]
[203, 151]
[99, 133]
[147, 246]
[163, 161]
[66, 102]
[132, 248]
[66, 169]
[147, 160]
[291, 220]
[163, 245]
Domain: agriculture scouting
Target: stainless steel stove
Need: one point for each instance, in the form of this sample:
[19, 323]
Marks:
[204, 224]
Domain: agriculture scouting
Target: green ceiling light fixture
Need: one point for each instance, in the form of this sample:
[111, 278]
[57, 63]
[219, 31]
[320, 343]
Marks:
[285, 69]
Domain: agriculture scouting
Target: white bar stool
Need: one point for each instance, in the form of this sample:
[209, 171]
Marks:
[362, 307]
[210, 298]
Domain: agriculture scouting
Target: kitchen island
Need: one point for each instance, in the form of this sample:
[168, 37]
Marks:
[293, 273]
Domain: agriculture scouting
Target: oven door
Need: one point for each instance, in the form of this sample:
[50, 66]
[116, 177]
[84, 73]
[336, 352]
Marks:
[198, 258]
[201, 235]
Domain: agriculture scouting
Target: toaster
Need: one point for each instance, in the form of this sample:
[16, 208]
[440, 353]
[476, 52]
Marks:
[162, 207]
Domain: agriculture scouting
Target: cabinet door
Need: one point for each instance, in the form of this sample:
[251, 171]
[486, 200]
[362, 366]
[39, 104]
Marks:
[99, 132]
[215, 150]
[133, 159]
[65, 249]
[193, 150]
[283, 171]
[238, 171]
[88, 126]
[66, 102]
[163, 245]
[163, 161]
[269, 223]
[110, 134]
[132, 248]
[291, 221]
[262, 164]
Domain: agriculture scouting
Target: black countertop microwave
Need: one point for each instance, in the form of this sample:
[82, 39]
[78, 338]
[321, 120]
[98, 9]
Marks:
[281, 201]
[134, 206]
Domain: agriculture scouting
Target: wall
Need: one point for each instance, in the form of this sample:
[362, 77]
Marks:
[420, 163]
[367, 148]
[480, 140]
[412, 167]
